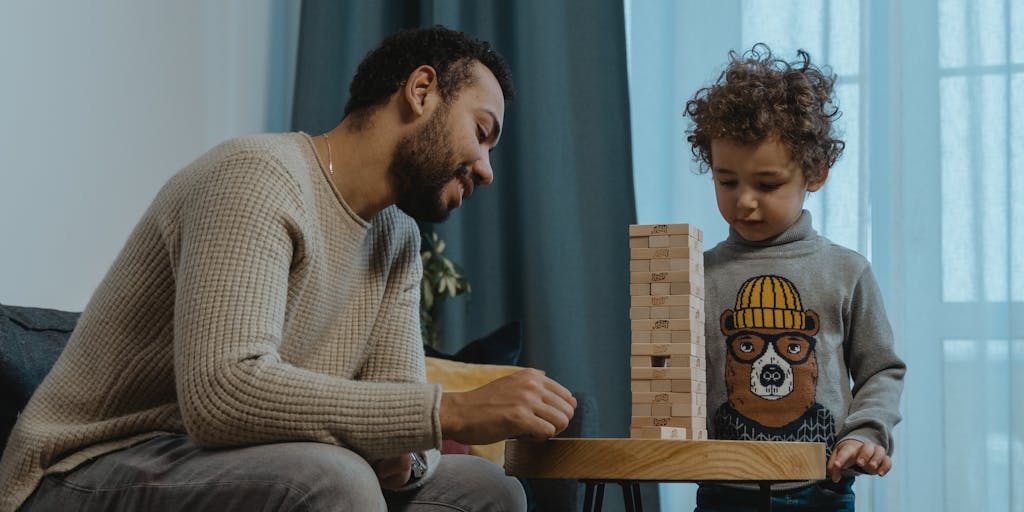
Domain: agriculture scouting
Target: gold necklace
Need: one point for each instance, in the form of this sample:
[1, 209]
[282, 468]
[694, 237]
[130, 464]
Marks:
[330, 158]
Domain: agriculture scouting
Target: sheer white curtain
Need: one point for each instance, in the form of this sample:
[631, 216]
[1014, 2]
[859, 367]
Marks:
[930, 188]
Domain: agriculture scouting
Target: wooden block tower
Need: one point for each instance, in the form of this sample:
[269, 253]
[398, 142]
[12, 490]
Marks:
[666, 288]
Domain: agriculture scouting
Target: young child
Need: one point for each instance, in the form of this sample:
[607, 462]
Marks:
[792, 317]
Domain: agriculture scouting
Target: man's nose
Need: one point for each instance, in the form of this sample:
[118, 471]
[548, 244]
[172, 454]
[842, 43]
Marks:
[482, 171]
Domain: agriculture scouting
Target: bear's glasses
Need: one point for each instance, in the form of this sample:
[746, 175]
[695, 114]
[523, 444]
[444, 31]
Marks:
[748, 346]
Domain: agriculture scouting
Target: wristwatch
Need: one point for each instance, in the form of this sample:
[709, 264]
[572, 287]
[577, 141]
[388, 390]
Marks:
[419, 468]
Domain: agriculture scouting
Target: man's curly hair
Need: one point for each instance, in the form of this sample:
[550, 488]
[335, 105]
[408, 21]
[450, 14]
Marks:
[385, 69]
[759, 97]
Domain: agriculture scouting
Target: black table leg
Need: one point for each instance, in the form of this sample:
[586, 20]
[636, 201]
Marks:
[765, 496]
[588, 496]
[627, 495]
[599, 500]
[637, 501]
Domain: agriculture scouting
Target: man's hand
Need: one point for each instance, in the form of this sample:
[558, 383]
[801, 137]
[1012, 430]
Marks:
[871, 459]
[393, 472]
[525, 404]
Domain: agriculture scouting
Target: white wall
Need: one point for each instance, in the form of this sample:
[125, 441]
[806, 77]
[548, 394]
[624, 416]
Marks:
[101, 101]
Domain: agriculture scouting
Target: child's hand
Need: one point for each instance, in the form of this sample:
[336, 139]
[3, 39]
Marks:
[870, 458]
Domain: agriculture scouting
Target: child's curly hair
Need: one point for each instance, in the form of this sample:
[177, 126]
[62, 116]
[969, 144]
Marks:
[758, 97]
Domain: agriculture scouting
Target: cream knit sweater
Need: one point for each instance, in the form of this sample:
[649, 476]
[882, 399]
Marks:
[249, 305]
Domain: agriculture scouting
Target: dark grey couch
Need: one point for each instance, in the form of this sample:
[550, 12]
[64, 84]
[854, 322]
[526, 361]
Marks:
[31, 339]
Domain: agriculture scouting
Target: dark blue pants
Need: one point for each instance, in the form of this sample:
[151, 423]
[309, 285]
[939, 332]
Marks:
[822, 496]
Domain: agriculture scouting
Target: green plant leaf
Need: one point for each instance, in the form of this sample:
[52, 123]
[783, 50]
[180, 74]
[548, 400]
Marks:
[442, 278]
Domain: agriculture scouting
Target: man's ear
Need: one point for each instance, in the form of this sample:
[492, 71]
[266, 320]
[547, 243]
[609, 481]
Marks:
[418, 88]
[813, 187]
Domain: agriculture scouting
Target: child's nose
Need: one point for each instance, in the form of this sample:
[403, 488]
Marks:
[747, 199]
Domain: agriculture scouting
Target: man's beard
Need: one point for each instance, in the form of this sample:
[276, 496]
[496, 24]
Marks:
[421, 168]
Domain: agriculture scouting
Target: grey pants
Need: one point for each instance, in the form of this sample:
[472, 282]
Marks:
[170, 473]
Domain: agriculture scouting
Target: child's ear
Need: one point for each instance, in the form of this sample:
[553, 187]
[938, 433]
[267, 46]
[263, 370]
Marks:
[813, 186]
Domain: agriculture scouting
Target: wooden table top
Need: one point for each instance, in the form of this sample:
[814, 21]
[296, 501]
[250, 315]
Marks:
[665, 460]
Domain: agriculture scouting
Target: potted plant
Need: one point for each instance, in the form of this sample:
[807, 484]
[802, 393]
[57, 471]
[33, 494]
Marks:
[442, 279]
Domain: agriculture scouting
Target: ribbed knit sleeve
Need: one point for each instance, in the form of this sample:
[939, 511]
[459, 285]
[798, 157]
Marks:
[392, 358]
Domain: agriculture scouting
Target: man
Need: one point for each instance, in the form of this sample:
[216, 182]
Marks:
[255, 346]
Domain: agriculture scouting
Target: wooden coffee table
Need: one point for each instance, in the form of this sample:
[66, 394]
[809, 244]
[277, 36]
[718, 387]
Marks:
[628, 462]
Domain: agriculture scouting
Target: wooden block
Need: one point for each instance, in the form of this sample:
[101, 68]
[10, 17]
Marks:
[693, 337]
[665, 336]
[639, 242]
[659, 289]
[671, 349]
[670, 264]
[694, 245]
[657, 433]
[675, 312]
[649, 397]
[697, 316]
[657, 253]
[640, 361]
[641, 337]
[642, 386]
[688, 423]
[681, 361]
[681, 241]
[667, 300]
[677, 276]
[664, 312]
[661, 336]
[640, 313]
[641, 409]
[657, 265]
[681, 288]
[649, 361]
[691, 423]
[684, 386]
[639, 289]
[669, 373]
[658, 241]
[680, 410]
[660, 385]
[694, 315]
[640, 265]
[641, 421]
[662, 229]
[661, 409]
[662, 324]
[664, 460]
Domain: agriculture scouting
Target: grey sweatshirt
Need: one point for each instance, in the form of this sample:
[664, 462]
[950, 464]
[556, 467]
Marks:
[799, 347]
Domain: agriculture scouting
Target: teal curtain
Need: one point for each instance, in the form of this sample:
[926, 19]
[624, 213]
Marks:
[547, 242]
